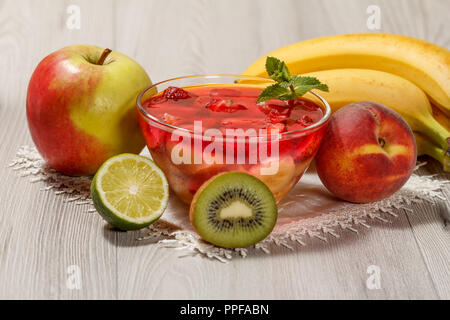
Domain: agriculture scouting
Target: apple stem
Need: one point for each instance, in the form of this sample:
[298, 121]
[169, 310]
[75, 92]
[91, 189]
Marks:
[382, 142]
[103, 57]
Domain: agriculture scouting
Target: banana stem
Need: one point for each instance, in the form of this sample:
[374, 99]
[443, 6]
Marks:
[426, 146]
[438, 133]
[441, 108]
[436, 153]
[446, 160]
[441, 135]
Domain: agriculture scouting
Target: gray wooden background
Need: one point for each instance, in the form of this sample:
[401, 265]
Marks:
[41, 236]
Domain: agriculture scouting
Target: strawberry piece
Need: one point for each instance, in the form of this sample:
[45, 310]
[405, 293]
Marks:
[306, 147]
[273, 127]
[275, 109]
[303, 104]
[155, 100]
[221, 105]
[277, 118]
[170, 119]
[305, 121]
[281, 110]
[264, 108]
[201, 101]
[155, 138]
[174, 93]
[275, 112]
[284, 146]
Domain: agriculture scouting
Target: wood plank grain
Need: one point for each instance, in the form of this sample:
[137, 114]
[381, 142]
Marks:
[422, 20]
[432, 234]
[335, 270]
[40, 234]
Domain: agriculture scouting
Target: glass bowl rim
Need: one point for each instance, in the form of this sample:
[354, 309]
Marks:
[313, 127]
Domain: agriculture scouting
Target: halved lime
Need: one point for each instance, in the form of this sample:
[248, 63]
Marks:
[130, 192]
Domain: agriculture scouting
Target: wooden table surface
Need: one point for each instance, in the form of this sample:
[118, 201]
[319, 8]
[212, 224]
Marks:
[41, 236]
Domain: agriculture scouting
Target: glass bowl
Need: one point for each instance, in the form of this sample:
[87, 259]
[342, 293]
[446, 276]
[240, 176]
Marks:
[286, 155]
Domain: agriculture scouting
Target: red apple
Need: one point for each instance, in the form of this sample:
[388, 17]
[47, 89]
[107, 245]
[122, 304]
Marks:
[367, 154]
[81, 107]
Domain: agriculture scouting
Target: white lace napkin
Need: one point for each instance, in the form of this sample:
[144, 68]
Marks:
[309, 210]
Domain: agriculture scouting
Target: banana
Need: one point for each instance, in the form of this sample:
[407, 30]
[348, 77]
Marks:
[423, 63]
[352, 85]
[441, 117]
[425, 146]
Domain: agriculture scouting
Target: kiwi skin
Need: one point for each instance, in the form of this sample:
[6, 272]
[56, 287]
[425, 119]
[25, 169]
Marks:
[268, 194]
[197, 195]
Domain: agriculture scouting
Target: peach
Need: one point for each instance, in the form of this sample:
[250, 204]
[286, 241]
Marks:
[367, 154]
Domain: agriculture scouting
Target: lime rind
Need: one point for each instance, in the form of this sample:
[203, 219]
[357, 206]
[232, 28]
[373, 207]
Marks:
[118, 176]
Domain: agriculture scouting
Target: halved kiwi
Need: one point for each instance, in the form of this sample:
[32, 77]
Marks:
[233, 210]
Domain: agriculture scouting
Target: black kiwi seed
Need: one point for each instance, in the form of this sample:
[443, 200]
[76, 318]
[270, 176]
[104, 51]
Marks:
[233, 210]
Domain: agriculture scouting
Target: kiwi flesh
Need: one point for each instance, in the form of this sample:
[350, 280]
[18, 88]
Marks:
[233, 210]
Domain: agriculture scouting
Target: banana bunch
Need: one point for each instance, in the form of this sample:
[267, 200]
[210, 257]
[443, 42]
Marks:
[408, 75]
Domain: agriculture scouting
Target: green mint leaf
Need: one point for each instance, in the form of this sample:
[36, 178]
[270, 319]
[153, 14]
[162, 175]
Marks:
[289, 96]
[304, 84]
[287, 87]
[274, 91]
[277, 70]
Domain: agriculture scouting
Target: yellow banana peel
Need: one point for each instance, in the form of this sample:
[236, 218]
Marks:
[423, 63]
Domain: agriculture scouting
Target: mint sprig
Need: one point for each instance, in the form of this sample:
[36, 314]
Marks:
[287, 87]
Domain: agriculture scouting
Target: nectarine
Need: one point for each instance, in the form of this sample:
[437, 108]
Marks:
[367, 154]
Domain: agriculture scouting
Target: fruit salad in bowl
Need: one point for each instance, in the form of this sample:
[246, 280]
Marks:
[199, 126]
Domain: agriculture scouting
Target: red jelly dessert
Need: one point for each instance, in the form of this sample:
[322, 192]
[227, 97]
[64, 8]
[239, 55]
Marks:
[196, 132]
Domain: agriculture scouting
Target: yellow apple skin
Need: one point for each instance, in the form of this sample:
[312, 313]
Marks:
[367, 154]
[81, 113]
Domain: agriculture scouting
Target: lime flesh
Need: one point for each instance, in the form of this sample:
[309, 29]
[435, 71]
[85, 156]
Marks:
[130, 192]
